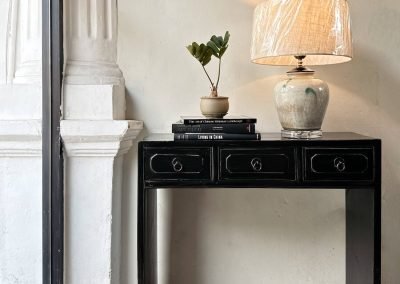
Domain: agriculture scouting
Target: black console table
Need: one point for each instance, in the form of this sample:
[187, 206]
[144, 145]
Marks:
[338, 160]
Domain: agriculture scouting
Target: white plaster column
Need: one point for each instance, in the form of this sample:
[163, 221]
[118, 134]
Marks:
[95, 138]
[20, 142]
[94, 84]
[24, 62]
[20, 59]
[92, 42]
[20, 202]
[93, 180]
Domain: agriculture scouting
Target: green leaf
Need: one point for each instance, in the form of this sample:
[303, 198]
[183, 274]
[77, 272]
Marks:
[222, 51]
[220, 41]
[217, 46]
[214, 48]
[204, 49]
[197, 48]
[226, 38]
[215, 40]
[207, 57]
[201, 52]
[202, 55]
[191, 50]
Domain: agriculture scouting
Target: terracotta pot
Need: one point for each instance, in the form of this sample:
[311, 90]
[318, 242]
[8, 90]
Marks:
[214, 107]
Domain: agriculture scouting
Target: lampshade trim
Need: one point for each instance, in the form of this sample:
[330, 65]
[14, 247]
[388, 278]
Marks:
[254, 60]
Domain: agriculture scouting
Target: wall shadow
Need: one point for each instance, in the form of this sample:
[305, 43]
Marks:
[369, 78]
[215, 232]
[185, 252]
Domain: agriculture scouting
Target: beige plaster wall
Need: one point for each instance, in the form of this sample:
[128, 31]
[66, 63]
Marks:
[255, 236]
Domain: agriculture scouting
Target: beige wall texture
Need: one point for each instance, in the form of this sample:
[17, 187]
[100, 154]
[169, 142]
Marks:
[255, 236]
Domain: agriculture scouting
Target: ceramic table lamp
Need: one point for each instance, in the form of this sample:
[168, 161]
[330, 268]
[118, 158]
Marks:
[301, 33]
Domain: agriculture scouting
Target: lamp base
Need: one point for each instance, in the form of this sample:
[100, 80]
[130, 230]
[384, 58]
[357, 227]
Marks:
[301, 134]
[301, 101]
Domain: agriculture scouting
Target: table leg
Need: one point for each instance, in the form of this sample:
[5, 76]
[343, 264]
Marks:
[147, 236]
[363, 235]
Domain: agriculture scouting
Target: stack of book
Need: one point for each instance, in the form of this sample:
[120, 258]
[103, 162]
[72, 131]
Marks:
[228, 128]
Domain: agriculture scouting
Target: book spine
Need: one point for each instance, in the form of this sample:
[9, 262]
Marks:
[241, 128]
[219, 121]
[216, 136]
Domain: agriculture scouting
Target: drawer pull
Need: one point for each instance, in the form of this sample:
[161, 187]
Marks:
[339, 164]
[256, 164]
[177, 165]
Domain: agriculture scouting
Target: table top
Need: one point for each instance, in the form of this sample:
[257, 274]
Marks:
[327, 136]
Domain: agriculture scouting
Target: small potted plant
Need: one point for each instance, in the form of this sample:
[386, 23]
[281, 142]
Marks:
[212, 106]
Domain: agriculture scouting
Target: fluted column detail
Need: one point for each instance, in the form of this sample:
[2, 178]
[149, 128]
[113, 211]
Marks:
[92, 42]
[24, 47]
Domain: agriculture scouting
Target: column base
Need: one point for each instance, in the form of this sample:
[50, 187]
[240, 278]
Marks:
[93, 180]
[92, 73]
[94, 102]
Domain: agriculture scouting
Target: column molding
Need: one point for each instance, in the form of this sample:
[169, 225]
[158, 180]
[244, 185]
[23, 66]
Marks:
[107, 138]
[20, 138]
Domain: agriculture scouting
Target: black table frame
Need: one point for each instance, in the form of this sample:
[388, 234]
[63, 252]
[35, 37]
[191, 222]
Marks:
[159, 167]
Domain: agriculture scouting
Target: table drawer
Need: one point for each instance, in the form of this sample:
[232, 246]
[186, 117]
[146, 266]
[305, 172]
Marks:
[178, 163]
[338, 164]
[257, 163]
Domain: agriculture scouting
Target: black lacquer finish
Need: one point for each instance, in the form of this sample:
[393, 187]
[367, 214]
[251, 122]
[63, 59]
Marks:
[338, 160]
[52, 168]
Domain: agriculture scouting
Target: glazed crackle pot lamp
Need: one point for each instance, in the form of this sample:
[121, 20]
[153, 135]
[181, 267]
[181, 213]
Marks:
[301, 33]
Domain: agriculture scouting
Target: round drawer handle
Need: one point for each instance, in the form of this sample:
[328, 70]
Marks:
[256, 164]
[177, 165]
[339, 164]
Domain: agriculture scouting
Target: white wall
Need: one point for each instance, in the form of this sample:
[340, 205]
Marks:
[256, 236]
[20, 142]
[21, 224]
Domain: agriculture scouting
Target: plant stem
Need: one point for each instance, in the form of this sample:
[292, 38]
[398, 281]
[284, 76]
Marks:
[212, 84]
[219, 72]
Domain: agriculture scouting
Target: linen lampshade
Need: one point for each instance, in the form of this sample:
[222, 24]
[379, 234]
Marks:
[318, 29]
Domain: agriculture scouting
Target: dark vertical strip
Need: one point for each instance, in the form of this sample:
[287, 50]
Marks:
[141, 219]
[378, 212]
[151, 273]
[46, 142]
[57, 199]
[360, 236]
[147, 227]
[53, 194]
